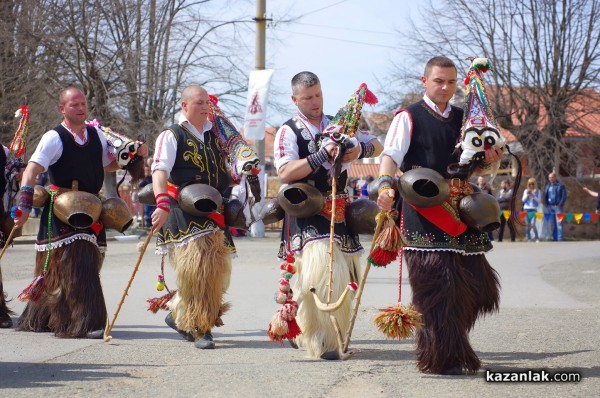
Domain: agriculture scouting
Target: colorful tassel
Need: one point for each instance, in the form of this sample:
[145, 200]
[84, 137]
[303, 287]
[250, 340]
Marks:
[19, 143]
[283, 324]
[388, 243]
[160, 303]
[398, 322]
[34, 290]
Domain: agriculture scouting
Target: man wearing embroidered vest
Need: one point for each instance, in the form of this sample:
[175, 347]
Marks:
[66, 297]
[196, 150]
[452, 282]
[300, 157]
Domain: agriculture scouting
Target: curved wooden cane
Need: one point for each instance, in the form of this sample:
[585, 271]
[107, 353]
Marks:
[108, 329]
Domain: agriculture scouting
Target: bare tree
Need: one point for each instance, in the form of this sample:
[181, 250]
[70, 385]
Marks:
[130, 57]
[546, 64]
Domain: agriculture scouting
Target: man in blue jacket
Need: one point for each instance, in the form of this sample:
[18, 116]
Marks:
[555, 196]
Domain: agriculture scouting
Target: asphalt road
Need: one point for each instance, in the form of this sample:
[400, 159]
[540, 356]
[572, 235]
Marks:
[548, 321]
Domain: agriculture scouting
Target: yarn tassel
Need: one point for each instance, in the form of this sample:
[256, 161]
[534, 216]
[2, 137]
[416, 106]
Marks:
[283, 324]
[370, 97]
[398, 321]
[34, 290]
[160, 303]
[388, 243]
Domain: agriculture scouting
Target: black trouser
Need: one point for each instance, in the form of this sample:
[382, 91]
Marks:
[511, 228]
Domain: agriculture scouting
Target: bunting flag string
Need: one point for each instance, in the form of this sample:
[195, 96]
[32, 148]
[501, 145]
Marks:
[570, 217]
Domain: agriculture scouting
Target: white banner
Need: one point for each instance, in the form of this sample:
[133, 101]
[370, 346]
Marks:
[256, 105]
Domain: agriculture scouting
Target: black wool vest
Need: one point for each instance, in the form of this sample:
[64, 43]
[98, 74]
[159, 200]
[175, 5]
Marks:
[433, 138]
[78, 162]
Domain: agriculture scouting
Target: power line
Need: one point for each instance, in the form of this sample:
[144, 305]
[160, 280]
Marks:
[345, 28]
[344, 40]
[320, 9]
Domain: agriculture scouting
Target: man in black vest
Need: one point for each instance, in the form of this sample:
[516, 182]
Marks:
[66, 296]
[452, 282]
[301, 157]
[205, 150]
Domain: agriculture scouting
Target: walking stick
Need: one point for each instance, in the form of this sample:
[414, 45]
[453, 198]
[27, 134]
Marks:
[331, 234]
[12, 232]
[361, 287]
[108, 329]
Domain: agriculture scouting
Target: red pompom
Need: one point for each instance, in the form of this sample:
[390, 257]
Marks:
[255, 171]
[370, 98]
[353, 286]
[213, 99]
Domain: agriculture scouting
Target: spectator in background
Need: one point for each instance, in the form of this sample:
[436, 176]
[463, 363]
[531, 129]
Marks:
[364, 189]
[503, 197]
[555, 196]
[532, 198]
[485, 187]
[595, 194]
[353, 192]
[148, 209]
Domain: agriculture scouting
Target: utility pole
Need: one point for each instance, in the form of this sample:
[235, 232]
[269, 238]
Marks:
[258, 229]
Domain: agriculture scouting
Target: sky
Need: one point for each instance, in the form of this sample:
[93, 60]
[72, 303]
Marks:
[345, 42]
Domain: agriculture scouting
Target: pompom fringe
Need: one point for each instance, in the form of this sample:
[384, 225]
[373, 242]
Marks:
[398, 322]
[160, 303]
[34, 290]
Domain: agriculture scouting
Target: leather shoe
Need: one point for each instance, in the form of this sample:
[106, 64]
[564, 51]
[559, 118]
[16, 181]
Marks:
[171, 323]
[206, 342]
[452, 371]
[95, 334]
[293, 343]
[330, 355]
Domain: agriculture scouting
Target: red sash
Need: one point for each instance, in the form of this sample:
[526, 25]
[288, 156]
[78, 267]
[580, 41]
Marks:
[442, 219]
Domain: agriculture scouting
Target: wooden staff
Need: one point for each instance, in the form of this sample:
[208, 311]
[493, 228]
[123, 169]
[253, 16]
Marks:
[380, 219]
[12, 232]
[108, 329]
[331, 235]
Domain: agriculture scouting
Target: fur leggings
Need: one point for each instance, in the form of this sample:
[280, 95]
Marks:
[451, 291]
[203, 269]
[318, 334]
[72, 303]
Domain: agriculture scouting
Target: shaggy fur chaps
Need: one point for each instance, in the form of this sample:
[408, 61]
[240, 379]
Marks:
[203, 269]
[318, 335]
[72, 303]
[451, 291]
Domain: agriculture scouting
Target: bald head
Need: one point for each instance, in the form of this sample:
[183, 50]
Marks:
[190, 91]
[68, 92]
[195, 105]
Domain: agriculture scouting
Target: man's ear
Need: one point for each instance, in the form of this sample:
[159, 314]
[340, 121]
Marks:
[294, 100]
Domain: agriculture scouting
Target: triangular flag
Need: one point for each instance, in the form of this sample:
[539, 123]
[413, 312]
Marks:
[506, 214]
[531, 215]
[547, 216]
[539, 215]
[522, 215]
[586, 217]
[594, 217]
[578, 217]
[561, 216]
